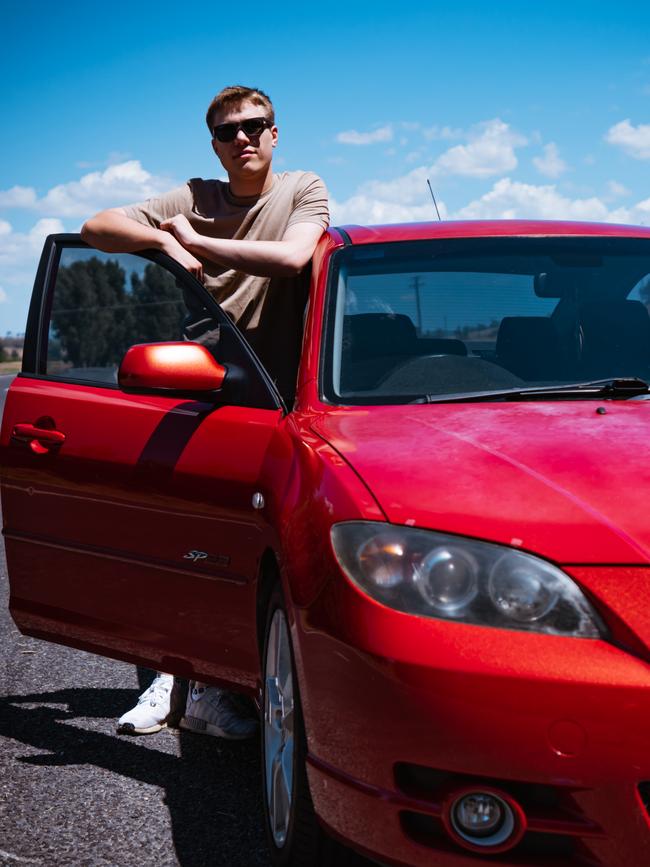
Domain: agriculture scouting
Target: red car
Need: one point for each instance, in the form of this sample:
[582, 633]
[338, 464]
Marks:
[432, 569]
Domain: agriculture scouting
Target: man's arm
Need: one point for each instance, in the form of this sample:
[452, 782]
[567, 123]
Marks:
[261, 258]
[113, 232]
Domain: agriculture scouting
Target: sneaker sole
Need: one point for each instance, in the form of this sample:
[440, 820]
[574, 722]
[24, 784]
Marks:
[130, 729]
[199, 726]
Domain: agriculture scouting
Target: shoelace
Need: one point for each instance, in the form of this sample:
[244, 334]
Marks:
[156, 693]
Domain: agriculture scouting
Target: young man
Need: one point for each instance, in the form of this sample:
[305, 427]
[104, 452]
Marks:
[247, 239]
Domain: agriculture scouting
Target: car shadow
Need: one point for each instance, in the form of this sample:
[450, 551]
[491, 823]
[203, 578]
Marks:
[212, 789]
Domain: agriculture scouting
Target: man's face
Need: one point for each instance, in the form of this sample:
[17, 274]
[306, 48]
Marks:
[245, 156]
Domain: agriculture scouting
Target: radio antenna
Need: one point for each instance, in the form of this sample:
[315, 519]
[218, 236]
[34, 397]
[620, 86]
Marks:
[435, 204]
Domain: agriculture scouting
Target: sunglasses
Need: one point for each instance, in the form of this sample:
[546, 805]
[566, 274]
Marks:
[252, 126]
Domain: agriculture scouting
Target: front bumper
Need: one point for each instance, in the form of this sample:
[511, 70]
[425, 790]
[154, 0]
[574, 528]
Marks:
[400, 711]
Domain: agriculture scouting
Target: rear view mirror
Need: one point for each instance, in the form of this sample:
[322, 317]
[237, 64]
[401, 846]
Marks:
[549, 286]
[166, 367]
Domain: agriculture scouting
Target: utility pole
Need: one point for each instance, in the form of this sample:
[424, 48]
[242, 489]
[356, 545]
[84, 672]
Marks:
[418, 306]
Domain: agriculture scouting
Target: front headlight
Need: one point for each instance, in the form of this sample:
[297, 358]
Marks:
[453, 578]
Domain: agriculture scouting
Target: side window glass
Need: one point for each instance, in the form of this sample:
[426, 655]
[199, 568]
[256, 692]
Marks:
[103, 303]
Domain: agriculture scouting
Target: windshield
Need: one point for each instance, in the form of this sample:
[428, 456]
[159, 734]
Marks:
[476, 316]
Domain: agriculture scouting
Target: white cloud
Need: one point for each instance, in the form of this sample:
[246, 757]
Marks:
[20, 252]
[617, 190]
[436, 133]
[366, 209]
[19, 256]
[15, 245]
[408, 189]
[413, 156]
[119, 184]
[3, 296]
[18, 197]
[550, 164]
[634, 140]
[490, 151]
[512, 200]
[639, 213]
[353, 137]
[377, 202]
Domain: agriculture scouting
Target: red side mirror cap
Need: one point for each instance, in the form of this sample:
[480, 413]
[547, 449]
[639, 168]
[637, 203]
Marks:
[177, 366]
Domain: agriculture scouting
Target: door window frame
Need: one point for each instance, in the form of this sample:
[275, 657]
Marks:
[38, 320]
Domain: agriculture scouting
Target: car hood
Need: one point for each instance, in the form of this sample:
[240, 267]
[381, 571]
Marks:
[559, 479]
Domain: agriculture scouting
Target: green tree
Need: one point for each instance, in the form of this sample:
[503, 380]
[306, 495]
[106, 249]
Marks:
[92, 316]
[158, 308]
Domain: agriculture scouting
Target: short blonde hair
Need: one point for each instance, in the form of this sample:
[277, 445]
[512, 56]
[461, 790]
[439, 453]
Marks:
[234, 96]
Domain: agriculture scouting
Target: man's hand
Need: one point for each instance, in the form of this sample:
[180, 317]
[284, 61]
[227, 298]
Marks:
[181, 228]
[182, 256]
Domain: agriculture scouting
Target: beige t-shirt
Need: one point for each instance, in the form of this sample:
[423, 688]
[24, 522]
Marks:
[267, 309]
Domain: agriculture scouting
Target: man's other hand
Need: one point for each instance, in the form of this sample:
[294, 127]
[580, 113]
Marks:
[181, 228]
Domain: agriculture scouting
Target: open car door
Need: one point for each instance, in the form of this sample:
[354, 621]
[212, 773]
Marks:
[132, 522]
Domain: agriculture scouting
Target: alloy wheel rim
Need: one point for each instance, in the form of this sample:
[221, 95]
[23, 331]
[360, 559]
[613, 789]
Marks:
[279, 728]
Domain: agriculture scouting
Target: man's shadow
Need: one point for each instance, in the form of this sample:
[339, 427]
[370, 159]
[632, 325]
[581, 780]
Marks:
[212, 790]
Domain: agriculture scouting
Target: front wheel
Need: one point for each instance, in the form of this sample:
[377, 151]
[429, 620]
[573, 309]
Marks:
[295, 838]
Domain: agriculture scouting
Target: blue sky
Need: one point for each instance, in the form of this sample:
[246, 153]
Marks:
[512, 109]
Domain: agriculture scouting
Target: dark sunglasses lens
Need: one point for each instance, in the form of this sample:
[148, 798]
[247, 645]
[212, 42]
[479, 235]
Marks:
[225, 131]
[253, 126]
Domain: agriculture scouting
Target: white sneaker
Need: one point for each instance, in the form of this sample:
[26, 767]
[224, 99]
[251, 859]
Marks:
[213, 711]
[152, 710]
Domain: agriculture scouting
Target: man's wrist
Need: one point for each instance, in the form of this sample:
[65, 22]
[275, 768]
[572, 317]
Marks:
[166, 242]
[194, 244]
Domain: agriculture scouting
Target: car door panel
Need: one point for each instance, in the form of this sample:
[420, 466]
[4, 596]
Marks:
[137, 536]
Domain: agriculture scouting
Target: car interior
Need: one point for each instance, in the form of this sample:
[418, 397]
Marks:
[583, 339]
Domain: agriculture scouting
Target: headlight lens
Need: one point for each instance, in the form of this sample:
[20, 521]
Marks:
[449, 577]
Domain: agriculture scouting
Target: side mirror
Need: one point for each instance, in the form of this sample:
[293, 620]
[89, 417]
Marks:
[166, 367]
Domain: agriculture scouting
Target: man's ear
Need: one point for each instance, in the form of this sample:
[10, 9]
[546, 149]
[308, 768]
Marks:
[274, 133]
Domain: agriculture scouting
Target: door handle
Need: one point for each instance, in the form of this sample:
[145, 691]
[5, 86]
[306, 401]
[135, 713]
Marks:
[40, 439]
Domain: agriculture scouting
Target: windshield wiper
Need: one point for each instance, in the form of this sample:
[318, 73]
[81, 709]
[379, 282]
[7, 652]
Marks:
[614, 389]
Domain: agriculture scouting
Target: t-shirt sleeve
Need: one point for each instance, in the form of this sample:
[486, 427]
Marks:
[159, 208]
[310, 202]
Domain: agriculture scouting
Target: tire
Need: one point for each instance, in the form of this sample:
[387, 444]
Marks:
[295, 838]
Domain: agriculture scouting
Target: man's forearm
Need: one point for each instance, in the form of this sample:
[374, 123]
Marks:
[261, 258]
[114, 232]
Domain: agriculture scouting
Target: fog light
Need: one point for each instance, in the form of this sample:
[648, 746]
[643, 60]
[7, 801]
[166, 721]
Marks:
[479, 815]
[484, 820]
